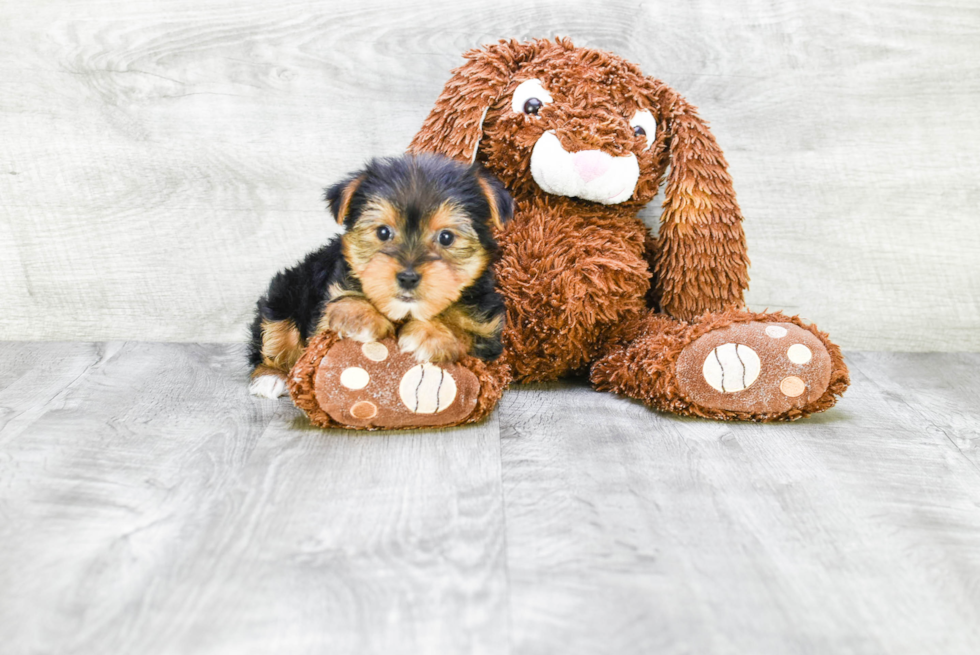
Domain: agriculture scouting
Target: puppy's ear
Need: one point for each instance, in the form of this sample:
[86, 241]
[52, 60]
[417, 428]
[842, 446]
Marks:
[701, 263]
[455, 125]
[339, 196]
[500, 201]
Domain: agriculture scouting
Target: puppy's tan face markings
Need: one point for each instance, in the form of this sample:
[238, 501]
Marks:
[440, 245]
[589, 107]
[362, 242]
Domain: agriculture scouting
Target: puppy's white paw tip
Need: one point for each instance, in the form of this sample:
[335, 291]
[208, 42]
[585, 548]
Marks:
[268, 386]
[413, 346]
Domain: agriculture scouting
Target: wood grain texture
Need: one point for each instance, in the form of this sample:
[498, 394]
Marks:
[151, 506]
[160, 163]
[856, 531]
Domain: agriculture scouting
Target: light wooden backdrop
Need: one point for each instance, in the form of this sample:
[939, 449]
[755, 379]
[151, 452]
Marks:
[159, 161]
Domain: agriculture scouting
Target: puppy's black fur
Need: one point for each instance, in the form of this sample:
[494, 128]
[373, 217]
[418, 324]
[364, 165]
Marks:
[416, 184]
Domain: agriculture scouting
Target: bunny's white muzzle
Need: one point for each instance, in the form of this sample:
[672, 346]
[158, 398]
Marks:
[587, 174]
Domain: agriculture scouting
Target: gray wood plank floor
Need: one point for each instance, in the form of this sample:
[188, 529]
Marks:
[149, 505]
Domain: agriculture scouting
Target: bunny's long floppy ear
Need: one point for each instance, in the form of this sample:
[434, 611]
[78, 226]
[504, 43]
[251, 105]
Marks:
[701, 263]
[455, 125]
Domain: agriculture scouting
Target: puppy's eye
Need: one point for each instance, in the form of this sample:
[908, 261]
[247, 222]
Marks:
[644, 125]
[530, 97]
[446, 238]
[384, 233]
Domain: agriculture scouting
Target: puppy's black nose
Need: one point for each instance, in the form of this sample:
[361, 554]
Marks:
[408, 279]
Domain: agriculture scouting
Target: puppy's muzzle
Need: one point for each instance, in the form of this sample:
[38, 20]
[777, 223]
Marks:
[408, 279]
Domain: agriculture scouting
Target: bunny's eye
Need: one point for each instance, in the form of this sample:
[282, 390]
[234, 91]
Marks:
[530, 97]
[644, 125]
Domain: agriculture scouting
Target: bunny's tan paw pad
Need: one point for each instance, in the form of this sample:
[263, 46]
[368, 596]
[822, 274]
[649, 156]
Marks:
[765, 369]
[376, 385]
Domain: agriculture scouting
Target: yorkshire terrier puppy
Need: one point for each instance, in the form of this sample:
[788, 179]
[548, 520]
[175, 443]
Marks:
[413, 261]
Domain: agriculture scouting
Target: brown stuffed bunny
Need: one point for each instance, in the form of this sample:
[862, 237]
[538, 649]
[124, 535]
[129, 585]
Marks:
[582, 139]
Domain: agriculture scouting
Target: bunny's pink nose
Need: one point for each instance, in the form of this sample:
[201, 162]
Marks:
[590, 164]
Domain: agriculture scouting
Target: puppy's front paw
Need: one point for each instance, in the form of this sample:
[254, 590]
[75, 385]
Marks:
[431, 341]
[358, 320]
[268, 386]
